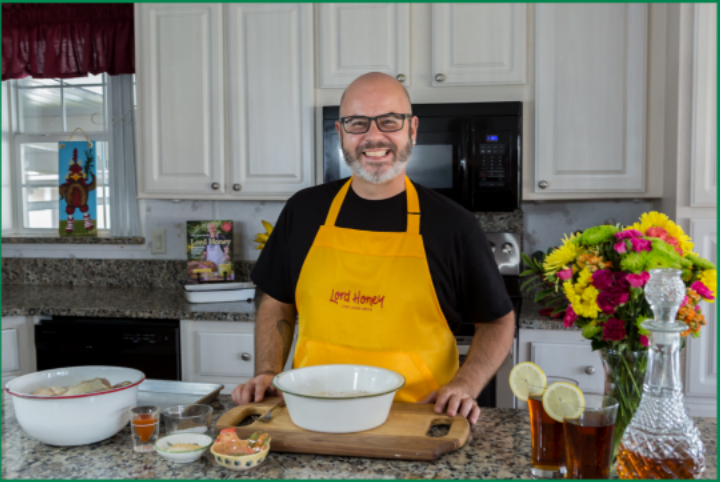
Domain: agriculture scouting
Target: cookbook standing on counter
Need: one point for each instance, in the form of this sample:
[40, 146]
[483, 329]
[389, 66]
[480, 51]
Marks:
[380, 270]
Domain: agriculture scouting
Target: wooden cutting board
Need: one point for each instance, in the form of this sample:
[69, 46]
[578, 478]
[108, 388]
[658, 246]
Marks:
[402, 436]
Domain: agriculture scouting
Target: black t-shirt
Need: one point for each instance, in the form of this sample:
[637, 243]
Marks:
[468, 284]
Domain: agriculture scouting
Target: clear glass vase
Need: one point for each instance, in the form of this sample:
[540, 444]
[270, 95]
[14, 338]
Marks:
[662, 442]
[624, 374]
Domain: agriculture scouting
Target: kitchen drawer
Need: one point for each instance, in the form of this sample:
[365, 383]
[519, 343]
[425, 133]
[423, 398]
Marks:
[225, 354]
[10, 352]
[571, 360]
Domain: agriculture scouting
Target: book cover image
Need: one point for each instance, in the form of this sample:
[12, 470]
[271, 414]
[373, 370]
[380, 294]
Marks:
[210, 251]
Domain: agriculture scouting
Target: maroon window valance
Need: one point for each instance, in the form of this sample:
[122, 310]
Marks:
[67, 40]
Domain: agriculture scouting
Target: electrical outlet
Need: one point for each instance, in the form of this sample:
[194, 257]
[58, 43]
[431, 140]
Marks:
[158, 241]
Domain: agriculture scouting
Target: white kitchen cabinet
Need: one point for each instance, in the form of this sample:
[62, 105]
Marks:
[220, 352]
[179, 85]
[563, 353]
[591, 98]
[356, 38]
[270, 98]
[701, 356]
[225, 100]
[18, 347]
[478, 43]
[703, 155]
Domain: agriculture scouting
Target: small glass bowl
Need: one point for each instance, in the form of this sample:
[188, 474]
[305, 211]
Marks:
[188, 418]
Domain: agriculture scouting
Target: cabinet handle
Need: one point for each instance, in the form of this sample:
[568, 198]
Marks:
[237, 187]
[439, 77]
[543, 184]
[400, 77]
[589, 370]
[215, 186]
[246, 356]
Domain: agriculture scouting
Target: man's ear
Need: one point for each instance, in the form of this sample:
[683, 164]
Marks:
[338, 128]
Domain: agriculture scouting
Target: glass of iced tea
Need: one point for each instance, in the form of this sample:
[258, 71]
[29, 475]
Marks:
[589, 438]
[546, 435]
[144, 427]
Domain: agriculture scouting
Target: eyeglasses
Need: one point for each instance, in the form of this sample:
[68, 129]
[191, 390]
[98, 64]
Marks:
[360, 124]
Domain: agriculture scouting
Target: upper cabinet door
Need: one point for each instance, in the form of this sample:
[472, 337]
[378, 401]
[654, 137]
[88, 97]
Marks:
[180, 91]
[701, 366]
[356, 38]
[590, 101]
[704, 107]
[270, 98]
[476, 44]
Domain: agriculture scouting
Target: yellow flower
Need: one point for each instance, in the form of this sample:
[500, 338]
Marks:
[709, 279]
[582, 295]
[562, 256]
[654, 219]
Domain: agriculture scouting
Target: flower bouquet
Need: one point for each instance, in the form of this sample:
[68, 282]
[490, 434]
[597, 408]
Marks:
[595, 281]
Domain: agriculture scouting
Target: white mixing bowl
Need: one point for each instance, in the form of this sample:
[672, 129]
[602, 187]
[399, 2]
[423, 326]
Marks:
[339, 398]
[75, 419]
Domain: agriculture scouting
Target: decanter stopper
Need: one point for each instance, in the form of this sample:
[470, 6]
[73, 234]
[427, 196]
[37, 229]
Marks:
[661, 441]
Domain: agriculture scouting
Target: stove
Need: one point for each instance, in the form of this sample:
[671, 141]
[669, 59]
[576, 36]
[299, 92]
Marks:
[506, 248]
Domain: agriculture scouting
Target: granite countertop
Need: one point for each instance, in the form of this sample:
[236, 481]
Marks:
[163, 303]
[498, 448]
[117, 302]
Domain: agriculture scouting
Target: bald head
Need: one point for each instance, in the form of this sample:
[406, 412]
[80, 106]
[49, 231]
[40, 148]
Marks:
[374, 86]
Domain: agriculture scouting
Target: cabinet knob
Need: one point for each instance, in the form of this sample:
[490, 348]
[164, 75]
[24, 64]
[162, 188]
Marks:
[439, 77]
[246, 356]
[400, 77]
[237, 187]
[507, 248]
[589, 370]
[215, 186]
[543, 184]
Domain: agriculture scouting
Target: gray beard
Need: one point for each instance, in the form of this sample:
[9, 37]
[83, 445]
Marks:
[396, 167]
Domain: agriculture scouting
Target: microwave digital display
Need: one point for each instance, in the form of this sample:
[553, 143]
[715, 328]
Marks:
[492, 138]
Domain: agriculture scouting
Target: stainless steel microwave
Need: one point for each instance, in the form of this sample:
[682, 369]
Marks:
[470, 152]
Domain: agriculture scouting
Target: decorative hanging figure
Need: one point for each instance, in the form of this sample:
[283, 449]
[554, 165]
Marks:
[76, 191]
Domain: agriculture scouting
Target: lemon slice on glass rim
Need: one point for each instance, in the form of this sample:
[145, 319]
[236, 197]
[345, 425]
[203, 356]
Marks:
[563, 400]
[522, 376]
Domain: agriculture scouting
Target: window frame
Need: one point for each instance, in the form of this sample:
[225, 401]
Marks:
[19, 207]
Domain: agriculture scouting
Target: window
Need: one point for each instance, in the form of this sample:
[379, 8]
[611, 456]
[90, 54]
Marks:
[45, 112]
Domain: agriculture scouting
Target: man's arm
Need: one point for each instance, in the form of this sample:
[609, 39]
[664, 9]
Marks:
[490, 346]
[274, 331]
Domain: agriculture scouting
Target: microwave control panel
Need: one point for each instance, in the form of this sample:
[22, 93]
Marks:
[492, 159]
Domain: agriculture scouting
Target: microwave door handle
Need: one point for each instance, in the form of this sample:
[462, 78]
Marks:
[466, 148]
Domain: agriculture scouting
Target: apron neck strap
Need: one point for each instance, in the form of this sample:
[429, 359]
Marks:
[413, 206]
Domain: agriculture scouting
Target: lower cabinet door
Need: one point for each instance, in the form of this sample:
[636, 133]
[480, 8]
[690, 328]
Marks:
[225, 354]
[575, 361]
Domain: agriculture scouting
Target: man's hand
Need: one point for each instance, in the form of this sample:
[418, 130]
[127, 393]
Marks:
[255, 390]
[456, 397]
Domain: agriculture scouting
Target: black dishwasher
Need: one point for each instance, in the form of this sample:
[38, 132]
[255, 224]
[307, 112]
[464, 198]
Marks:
[151, 346]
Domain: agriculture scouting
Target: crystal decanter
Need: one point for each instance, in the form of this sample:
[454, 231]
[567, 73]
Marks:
[662, 441]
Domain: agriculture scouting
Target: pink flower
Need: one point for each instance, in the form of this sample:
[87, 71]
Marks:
[628, 234]
[702, 290]
[657, 233]
[548, 312]
[570, 317]
[685, 301]
[621, 280]
[620, 247]
[602, 279]
[641, 244]
[613, 330]
[606, 302]
[644, 340]
[565, 274]
[638, 280]
[619, 297]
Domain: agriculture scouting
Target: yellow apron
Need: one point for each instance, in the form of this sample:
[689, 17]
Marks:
[367, 298]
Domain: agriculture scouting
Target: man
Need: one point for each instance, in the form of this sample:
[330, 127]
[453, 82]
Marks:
[379, 268]
[217, 253]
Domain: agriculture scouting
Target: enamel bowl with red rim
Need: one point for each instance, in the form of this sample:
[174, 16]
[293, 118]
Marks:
[74, 419]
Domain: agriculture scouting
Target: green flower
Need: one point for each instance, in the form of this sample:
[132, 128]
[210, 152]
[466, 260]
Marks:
[699, 262]
[590, 331]
[633, 262]
[663, 247]
[639, 321]
[598, 235]
[658, 259]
